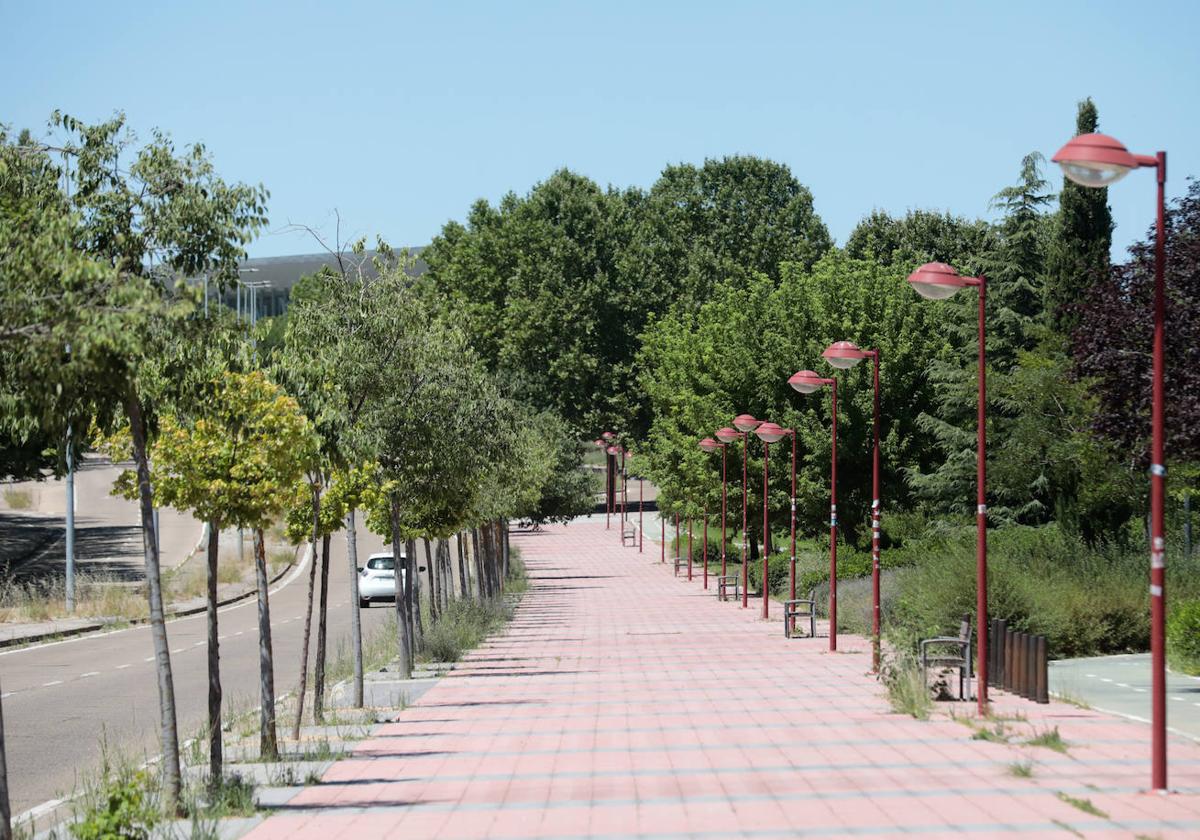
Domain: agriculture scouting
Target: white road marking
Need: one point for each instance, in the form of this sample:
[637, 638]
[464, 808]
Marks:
[1123, 685]
[1105, 679]
[90, 674]
[148, 659]
[1140, 690]
[52, 682]
[6, 694]
[222, 638]
[177, 650]
[1092, 675]
[240, 632]
[122, 667]
[197, 644]
[1180, 699]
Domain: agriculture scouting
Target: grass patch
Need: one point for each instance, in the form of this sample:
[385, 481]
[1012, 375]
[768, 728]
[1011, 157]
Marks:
[1066, 827]
[1084, 805]
[461, 627]
[907, 691]
[1050, 739]
[96, 596]
[1021, 769]
[995, 736]
[231, 796]
[18, 498]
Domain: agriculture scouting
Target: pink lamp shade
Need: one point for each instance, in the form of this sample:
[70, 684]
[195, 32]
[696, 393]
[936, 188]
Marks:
[745, 423]
[614, 450]
[709, 445]
[806, 381]
[728, 435]
[844, 354]
[1095, 160]
[770, 432]
[600, 443]
[936, 281]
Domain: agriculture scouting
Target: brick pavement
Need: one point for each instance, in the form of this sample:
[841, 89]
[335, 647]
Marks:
[623, 701]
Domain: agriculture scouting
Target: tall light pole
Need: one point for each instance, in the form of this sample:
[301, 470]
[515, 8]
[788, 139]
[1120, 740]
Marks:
[602, 445]
[710, 445]
[806, 382]
[938, 281]
[845, 355]
[1097, 160]
[770, 433]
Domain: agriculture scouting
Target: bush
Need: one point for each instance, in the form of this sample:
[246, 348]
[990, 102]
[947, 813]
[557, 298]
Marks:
[778, 566]
[122, 805]
[1183, 637]
[461, 627]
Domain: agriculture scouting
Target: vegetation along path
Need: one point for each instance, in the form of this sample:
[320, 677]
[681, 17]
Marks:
[622, 700]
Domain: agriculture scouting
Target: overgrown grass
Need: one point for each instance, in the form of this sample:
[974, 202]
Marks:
[17, 498]
[1050, 739]
[1021, 769]
[1086, 600]
[1084, 805]
[461, 627]
[96, 596]
[999, 735]
[907, 691]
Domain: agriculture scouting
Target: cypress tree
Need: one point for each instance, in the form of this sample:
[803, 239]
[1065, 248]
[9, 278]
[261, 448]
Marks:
[1078, 255]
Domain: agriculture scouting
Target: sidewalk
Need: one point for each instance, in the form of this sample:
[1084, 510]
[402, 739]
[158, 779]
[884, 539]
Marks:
[623, 701]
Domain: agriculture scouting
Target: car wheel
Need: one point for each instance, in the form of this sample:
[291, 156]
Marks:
[363, 603]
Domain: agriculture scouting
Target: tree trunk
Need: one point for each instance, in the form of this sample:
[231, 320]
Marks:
[463, 578]
[477, 558]
[355, 616]
[268, 745]
[447, 578]
[403, 627]
[502, 525]
[158, 624]
[312, 582]
[322, 624]
[214, 663]
[5, 810]
[489, 558]
[433, 592]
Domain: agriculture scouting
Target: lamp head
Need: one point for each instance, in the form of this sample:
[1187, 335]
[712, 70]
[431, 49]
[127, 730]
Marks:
[1095, 160]
[745, 423]
[844, 354]
[709, 445]
[728, 435]
[806, 381]
[936, 281]
[770, 432]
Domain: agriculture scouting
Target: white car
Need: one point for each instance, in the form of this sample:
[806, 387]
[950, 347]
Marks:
[377, 580]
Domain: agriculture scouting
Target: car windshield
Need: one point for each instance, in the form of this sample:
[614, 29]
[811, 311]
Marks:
[385, 563]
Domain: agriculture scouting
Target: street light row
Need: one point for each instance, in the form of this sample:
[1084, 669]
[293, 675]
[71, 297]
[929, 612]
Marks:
[1090, 160]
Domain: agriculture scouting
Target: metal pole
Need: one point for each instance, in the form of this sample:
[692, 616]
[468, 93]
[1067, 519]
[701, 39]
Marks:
[608, 488]
[724, 486]
[705, 560]
[792, 574]
[641, 510]
[1158, 477]
[70, 535]
[766, 549]
[745, 528]
[689, 577]
[663, 522]
[981, 512]
[833, 530]
[875, 515]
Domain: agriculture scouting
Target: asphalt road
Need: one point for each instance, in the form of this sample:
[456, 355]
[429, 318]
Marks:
[61, 699]
[1121, 685]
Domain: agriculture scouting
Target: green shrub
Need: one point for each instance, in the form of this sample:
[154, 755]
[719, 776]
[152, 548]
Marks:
[1183, 637]
[122, 806]
[461, 627]
[907, 691]
[778, 566]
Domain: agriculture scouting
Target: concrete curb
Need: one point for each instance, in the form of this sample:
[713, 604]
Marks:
[36, 639]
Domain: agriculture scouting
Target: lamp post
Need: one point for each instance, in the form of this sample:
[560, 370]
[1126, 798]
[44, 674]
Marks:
[603, 447]
[1097, 160]
[806, 382]
[689, 577]
[772, 433]
[704, 556]
[845, 355]
[745, 424]
[619, 495]
[938, 281]
[606, 438]
[710, 445]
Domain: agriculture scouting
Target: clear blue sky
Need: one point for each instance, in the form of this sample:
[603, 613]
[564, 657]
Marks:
[399, 115]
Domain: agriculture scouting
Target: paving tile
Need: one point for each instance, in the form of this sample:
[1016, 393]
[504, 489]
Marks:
[623, 701]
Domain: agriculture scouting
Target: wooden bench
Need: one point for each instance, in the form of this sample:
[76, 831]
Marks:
[802, 608]
[950, 652]
[725, 583]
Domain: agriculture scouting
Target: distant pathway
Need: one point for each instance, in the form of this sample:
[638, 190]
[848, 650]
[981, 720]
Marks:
[625, 702]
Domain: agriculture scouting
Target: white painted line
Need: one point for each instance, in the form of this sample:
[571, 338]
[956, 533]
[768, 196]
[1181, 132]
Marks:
[6, 694]
[148, 659]
[1105, 679]
[1180, 699]
[90, 674]
[240, 632]
[1093, 676]
[52, 682]
[222, 638]
[1140, 690]
[123, 667]
[1123, 685]
[177, 650]
[197, 644]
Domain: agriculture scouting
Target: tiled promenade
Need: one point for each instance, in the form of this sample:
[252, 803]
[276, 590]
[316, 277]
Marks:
[623, 701]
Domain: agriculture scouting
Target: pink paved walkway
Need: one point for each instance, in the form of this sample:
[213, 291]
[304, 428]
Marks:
[623, 701]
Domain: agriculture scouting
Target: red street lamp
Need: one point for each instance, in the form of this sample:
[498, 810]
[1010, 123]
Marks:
[938, 281]
[613, 452]
[807, 382]
[745, 423]
[1097, 160]
[770, 433]
[641, 502]
[845, 355]
[602, 445]
[710, 445]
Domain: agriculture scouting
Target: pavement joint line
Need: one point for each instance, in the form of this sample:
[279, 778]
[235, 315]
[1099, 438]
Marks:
[866, 831]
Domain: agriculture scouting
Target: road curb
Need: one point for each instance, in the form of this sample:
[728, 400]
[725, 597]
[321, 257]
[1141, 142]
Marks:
[33, 641]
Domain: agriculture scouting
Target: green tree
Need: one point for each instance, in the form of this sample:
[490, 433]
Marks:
[920, 236]
[1081, 239]
[95, 267]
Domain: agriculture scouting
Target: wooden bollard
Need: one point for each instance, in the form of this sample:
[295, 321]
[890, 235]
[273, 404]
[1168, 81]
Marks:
[1031, 667]
[1006, 683]
[1043, 671]
[1000, 647]
[1019, 664]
